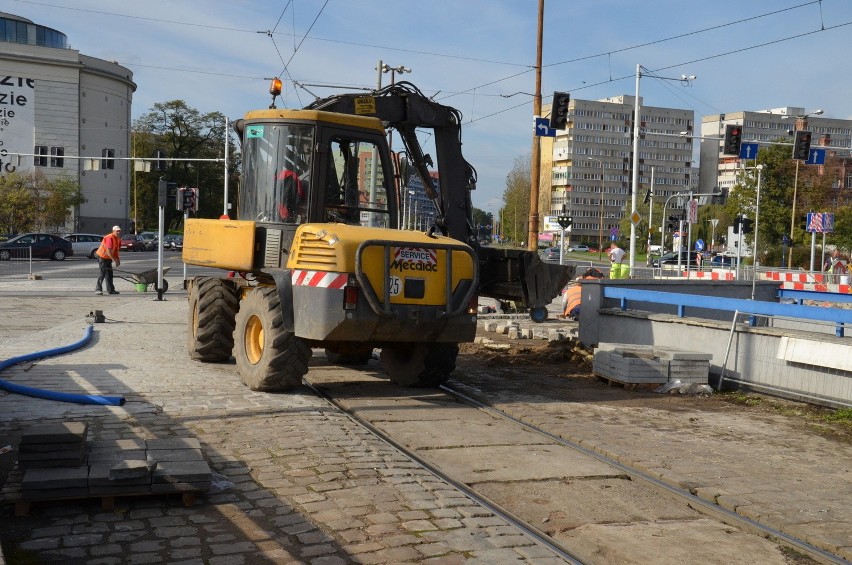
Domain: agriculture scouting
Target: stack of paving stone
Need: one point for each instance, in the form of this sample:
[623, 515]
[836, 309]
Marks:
[52, 457]
[106, 468]
[646, 364]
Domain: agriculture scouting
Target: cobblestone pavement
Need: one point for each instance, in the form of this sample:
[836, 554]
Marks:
[294, 480]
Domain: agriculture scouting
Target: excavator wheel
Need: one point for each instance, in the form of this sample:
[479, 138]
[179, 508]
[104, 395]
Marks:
[213, 305]
[349, 355]
[269, 358]
[420, 365]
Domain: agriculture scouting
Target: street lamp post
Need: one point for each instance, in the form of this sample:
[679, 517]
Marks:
[803, 122]
[637, 121]
[385, 68]
[600, 221]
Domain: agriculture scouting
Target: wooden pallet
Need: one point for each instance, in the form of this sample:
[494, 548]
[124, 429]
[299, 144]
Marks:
[13, 494]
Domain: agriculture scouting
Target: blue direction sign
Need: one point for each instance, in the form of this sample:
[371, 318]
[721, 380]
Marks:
[748, 151]
[816, 157]
[543, 129]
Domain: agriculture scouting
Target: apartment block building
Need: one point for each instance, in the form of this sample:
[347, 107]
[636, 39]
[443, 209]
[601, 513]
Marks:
[587, 168]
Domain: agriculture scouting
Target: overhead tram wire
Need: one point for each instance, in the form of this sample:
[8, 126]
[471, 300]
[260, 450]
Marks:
[681, 64]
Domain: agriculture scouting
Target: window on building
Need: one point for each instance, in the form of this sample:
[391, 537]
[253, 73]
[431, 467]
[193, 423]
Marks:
[40, 159]
[57, 155]
[108, 161]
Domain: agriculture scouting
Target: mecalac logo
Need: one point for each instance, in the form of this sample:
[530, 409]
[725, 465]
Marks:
[414, 259]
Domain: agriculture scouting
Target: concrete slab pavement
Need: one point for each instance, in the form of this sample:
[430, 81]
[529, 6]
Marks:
[294, 480]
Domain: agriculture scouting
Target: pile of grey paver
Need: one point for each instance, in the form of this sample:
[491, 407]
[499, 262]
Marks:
[647, 364]
[57, 462]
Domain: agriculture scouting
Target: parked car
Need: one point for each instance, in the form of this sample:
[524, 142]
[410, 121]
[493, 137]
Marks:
[579, 249]
[132, 242]
[722, 261]
[43, 245]
[168, 239]
[85, 244]
[687, 259]
[551, 254]
[150, 239]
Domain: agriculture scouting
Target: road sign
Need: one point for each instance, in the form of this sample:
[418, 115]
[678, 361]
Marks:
[543, 129]
[635, 218]
[816, 157]
[748, 151]
[699, 245]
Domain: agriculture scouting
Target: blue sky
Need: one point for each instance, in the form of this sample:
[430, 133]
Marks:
[476, 55]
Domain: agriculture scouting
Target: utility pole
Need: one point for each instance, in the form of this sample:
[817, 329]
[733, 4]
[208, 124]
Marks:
[535, 166]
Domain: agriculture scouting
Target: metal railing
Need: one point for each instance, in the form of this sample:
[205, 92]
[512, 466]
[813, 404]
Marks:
[16, 261]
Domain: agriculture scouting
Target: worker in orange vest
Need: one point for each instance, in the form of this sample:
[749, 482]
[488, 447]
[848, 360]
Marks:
[107, 254]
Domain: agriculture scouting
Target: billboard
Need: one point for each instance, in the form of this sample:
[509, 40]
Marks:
[17, 122]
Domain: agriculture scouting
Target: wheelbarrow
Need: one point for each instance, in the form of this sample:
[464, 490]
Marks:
[143, 279]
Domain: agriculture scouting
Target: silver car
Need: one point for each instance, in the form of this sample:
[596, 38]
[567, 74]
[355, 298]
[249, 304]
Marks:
[85, 244]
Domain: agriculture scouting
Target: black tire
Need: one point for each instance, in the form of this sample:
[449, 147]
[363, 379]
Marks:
[420, 365]
[538, 314]
[349, 355]
[213, 305]
[58, 255]
[269, 358]
[5, 255]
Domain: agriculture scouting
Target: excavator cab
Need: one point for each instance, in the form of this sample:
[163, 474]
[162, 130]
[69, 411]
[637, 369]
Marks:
[306, 166]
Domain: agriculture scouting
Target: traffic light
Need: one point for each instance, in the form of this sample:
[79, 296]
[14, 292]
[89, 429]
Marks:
[747, 224]
[565, 221]
[802, 145]
[159, 160]
[733, 139]
[187, 200]
[559, 110]
[737, 222]
[647, 196]
[674, 221]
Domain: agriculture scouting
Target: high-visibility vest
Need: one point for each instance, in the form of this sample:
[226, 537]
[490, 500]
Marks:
[102, 253]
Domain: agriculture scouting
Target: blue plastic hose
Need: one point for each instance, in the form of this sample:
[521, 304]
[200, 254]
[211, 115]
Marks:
[52, 395]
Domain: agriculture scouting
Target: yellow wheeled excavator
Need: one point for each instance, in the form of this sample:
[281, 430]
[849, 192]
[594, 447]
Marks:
[316, 257]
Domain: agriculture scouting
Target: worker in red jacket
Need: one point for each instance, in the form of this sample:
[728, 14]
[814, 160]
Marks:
[107, 254]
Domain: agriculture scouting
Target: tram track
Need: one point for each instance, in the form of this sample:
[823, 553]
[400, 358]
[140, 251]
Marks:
[581, 503]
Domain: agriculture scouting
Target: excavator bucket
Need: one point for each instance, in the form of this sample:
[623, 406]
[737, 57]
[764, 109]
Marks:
[520, 276]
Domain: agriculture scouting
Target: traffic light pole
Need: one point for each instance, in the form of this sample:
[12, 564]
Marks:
[793, 219]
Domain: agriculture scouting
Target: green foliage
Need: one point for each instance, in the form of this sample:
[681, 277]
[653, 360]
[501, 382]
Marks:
[181, 132]
[31, 201]
[516, 201]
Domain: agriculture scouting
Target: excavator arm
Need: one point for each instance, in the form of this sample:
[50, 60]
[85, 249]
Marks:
[505, 274]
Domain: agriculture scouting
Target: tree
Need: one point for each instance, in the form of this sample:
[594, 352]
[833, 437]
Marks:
[484, 223]
[31, 201]
[778, 182]
[516, 200]
[181, 132]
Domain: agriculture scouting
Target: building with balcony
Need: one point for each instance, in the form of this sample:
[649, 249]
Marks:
[57, 105]
[588, 166]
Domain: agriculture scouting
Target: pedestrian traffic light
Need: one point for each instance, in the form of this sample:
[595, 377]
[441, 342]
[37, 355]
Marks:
[733, 139]
[802, 145]
[559, 110]
[187, 200]
[747, 224]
